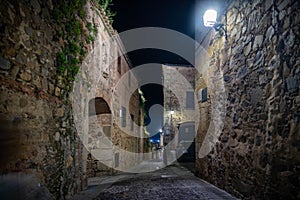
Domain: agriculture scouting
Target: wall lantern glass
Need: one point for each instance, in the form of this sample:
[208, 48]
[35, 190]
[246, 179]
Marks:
[210, 18]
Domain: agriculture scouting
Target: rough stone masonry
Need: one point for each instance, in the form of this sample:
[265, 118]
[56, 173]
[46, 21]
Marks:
[41, 153]
[257, 154]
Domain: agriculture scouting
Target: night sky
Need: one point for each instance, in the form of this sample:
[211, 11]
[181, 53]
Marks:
[177, 15]
[173, 14]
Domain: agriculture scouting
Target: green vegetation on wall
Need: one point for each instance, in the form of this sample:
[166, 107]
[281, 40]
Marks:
[104, 4]
[76, 33]
[70, 16]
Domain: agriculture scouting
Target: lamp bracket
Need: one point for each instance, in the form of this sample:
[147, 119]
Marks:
[221, 29]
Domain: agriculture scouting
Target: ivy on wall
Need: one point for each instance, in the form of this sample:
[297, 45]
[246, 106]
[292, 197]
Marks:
[70, 16]
[74, 33]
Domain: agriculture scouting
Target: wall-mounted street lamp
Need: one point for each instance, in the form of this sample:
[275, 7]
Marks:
[210, 20]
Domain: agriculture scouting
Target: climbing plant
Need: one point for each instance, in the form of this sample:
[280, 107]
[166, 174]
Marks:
[105, 5]
[70, 17]
[74, 33]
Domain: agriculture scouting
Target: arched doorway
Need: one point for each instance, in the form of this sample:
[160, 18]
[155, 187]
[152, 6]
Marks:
[98, 106]
[100, 128]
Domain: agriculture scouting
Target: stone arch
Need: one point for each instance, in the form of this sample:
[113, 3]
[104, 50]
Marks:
[98, 106]
[100, 128]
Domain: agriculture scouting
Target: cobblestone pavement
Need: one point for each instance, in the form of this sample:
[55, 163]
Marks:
[170, 183]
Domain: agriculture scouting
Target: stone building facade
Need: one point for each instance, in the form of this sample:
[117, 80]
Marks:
[43, 143]
[114, 133]
[179, 98]
[256, 155]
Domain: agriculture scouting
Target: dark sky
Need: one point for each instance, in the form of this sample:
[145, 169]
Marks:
[172, 14]
[177, 15]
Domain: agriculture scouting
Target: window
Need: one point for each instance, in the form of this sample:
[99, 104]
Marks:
[132, 122]
[117, 159]
[123, 116]
[199, 95]
[204, 95]
[119, 63]
[140, 117]
[129, 79]
[190, 100]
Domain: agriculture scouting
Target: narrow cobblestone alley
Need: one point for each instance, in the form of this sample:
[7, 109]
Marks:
[175, 182]
[149, 99]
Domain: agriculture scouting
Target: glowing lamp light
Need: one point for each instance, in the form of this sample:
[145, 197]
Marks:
[172, 112]
[210, 18]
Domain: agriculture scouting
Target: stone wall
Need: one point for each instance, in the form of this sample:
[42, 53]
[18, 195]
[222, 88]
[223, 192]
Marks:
[175, 91]
[257, 153]
[36, 122]
[177, 81]
[114, 157]
[42, 46]
[105, 75]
